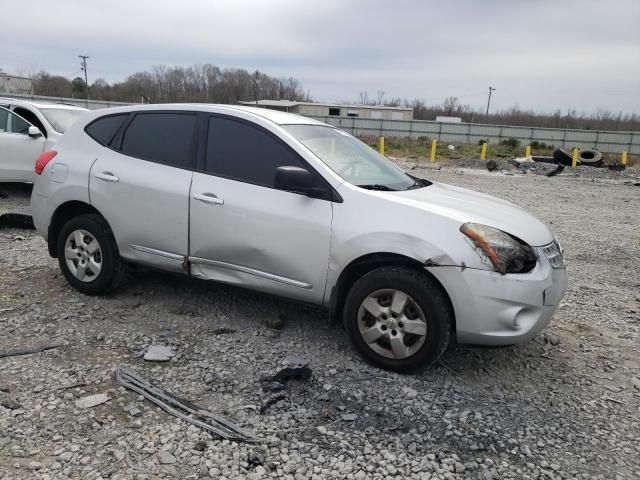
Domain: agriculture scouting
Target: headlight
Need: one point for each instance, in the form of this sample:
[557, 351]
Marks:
[504, 253]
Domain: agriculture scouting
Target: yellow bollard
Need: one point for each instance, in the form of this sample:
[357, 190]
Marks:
[434, 144]
[381, 147]
[574, 157]
[624, 158]
[527, 151]
[483, 152]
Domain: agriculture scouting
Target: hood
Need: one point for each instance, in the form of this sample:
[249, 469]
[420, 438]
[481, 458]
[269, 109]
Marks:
[469, 206]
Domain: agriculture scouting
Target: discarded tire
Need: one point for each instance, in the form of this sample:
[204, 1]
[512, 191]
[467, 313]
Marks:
[591, 158]
[492, 165]
[562, 156]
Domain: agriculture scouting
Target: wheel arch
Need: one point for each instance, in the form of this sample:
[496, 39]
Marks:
[63, 214]
[365, 264]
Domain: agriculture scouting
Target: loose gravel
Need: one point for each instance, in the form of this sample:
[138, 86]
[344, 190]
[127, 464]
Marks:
[564, 405]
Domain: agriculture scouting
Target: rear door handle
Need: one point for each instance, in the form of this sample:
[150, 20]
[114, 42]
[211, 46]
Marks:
[106, 176]
[208, 198]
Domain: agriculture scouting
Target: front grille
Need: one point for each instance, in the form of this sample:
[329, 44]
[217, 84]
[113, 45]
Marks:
[553, 252]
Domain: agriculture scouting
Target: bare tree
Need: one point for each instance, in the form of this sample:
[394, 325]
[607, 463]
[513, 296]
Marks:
[450, 104]
[255, 85]
[379, 97]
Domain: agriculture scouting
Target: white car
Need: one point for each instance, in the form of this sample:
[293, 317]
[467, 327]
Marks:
[26, 130]
[291, 206]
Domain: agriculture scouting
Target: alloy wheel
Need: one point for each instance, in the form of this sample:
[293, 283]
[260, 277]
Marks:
[392, 324]
[83, 255]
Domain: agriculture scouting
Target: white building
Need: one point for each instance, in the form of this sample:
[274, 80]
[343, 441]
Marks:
[336, 110]
[15, 84]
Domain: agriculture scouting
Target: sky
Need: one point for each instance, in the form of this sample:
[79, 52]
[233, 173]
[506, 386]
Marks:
[538, 54]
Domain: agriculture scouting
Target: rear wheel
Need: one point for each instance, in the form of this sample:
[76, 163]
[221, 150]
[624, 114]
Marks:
[398, 318]
[88, 255]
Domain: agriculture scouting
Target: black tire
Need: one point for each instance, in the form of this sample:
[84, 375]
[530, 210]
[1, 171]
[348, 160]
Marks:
[591, 158]
[429, 296]
[562, 156]
[113, 267]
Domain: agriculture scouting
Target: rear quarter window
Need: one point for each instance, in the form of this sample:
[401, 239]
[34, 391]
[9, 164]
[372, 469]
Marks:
[103, 129]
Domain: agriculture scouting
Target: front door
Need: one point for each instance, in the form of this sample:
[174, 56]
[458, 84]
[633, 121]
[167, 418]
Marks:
[18, 150]
[141, 187]
[243, 230]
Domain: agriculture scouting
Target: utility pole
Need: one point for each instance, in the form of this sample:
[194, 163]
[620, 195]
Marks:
[83, 67]
[491, 89]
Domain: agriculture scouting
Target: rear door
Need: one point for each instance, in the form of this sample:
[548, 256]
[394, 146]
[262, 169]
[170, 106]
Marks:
[242, 229]
[140, 183]
[18, 150]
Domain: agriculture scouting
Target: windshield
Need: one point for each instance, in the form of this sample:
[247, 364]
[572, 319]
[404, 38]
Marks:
[353, 160]
[61, 118]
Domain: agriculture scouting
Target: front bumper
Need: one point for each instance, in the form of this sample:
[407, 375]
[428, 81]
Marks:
[495, 309]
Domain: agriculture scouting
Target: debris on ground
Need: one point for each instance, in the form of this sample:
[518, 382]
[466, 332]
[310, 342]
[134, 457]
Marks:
[159, 353]
[556, 171]
[183, 409]
[29, 350]
[562, 157]
[492, 165]
[591, 158]
[92, 400]
[275, 398]
[294, 367]
[132, 410]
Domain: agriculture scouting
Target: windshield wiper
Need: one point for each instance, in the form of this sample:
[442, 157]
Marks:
[376, 186]
[419, 183]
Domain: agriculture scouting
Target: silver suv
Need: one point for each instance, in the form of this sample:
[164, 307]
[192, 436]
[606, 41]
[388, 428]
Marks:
[290, 206]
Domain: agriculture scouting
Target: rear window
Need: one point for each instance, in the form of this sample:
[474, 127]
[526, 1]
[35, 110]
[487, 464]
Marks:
[161, 137]
[62, 118]
[103, 129]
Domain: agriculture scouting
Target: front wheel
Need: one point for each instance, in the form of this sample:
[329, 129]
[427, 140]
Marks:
[88, 255]
[398, 318]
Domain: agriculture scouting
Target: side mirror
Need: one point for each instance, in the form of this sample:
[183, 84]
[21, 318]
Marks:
[293, 179]
[34, 132]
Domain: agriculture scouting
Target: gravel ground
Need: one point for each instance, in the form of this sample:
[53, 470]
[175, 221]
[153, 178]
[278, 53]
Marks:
[565, 405]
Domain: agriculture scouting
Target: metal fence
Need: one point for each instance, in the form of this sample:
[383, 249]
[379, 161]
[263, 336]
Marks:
[605, 141]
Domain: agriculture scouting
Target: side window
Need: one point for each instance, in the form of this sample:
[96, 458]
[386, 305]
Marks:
[241, 152]
[161, 137]
[32, 118]
[17, 124]
[4, 119]
[103, 129]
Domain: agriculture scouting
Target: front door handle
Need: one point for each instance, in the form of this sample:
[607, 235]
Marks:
[208, 198]
[106, 176]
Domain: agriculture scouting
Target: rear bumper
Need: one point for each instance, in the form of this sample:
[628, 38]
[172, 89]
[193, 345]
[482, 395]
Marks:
[39, 211]
[494, 309]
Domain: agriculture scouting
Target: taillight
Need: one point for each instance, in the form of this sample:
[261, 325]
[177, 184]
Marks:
[43, 159]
